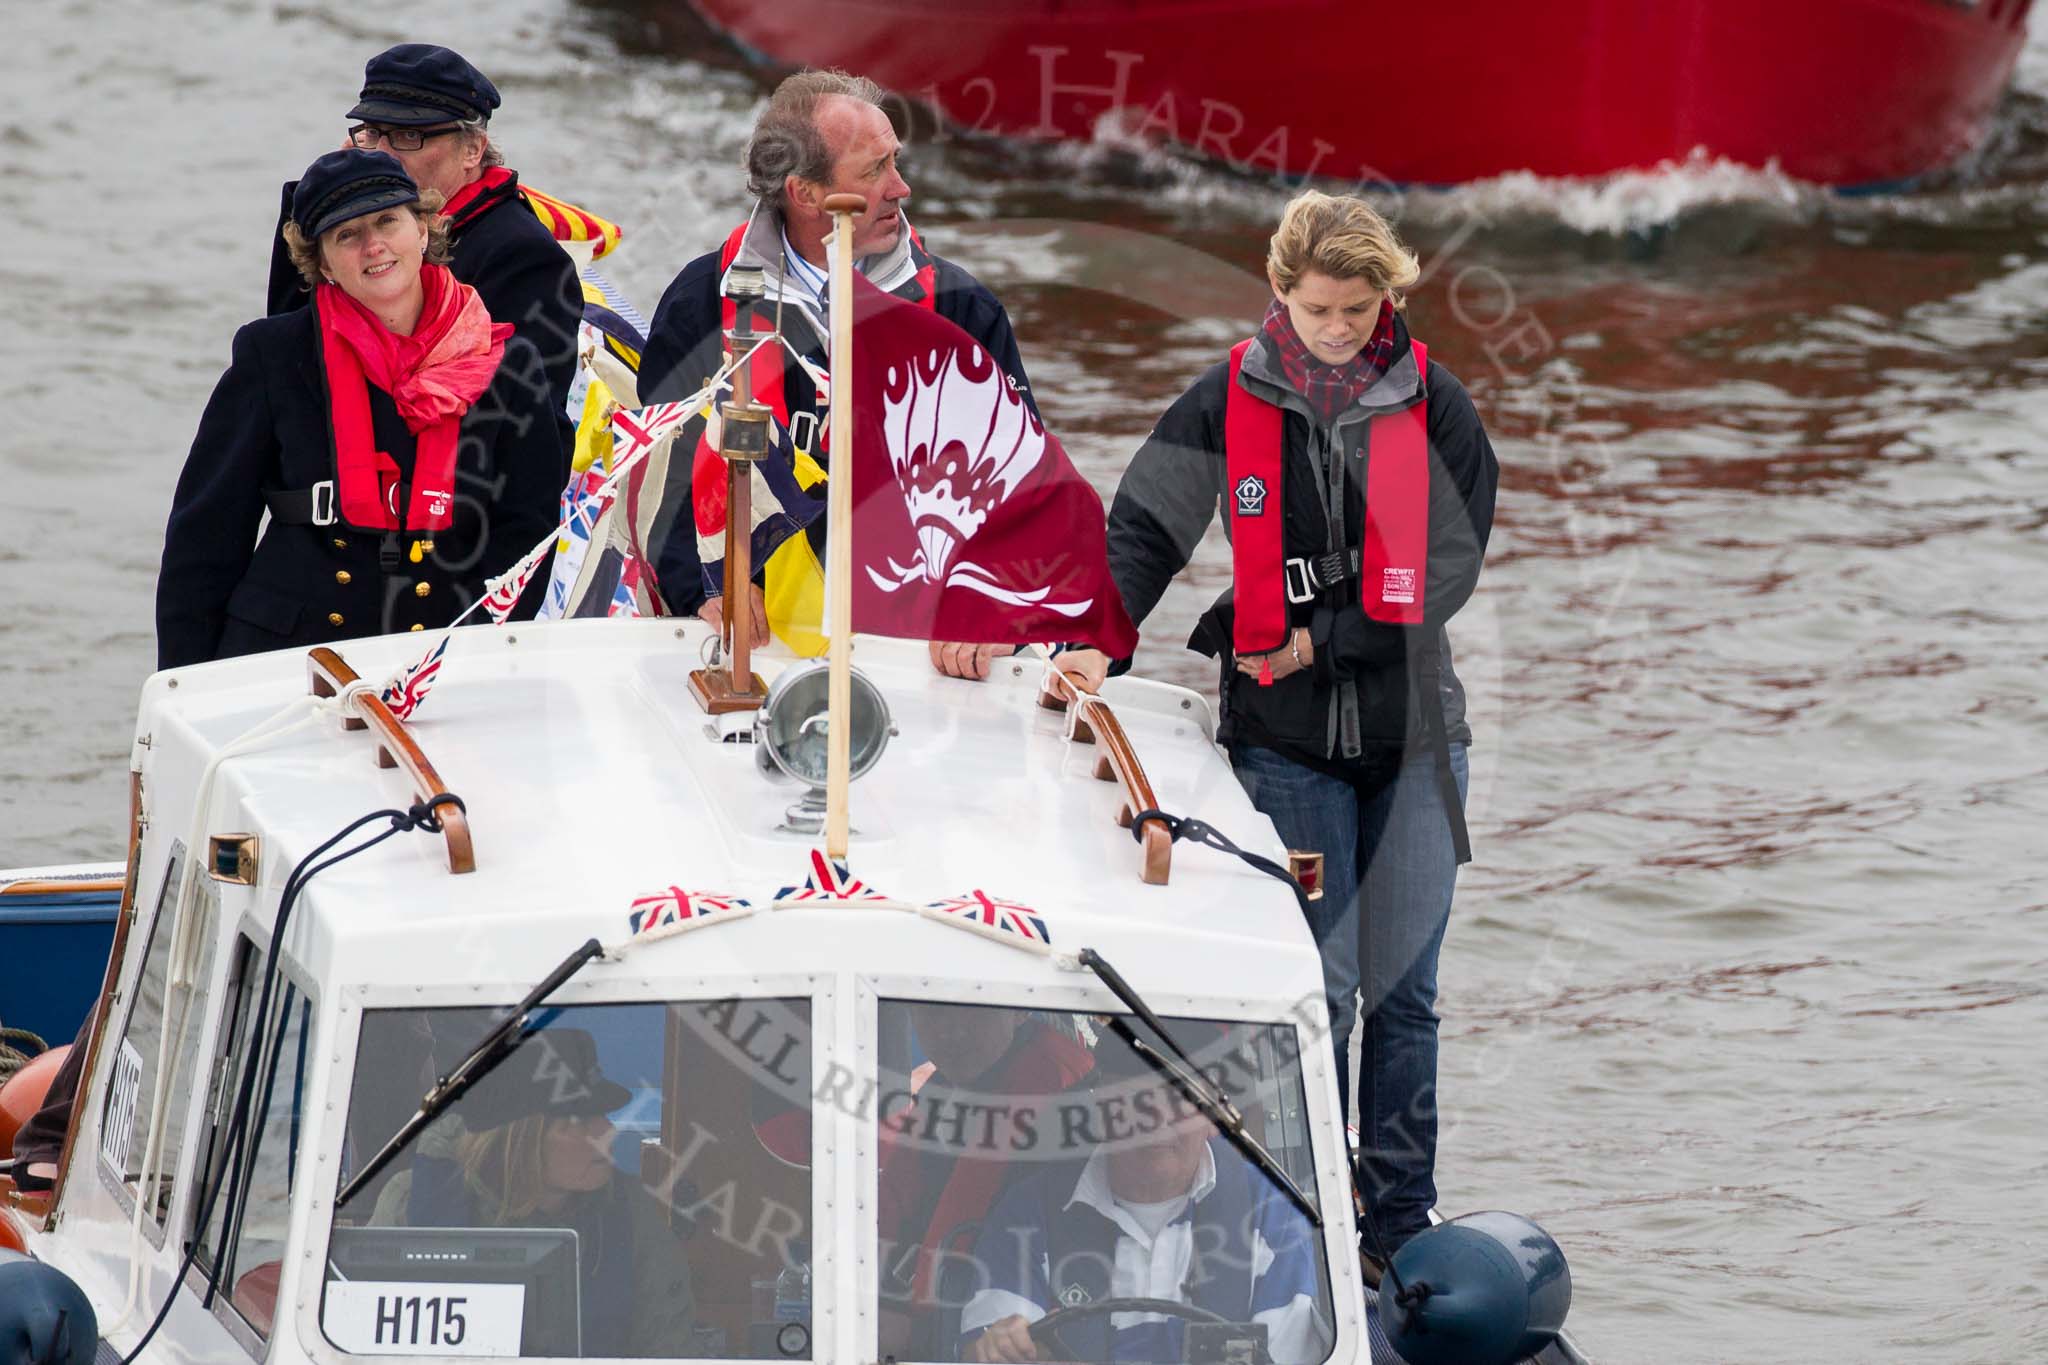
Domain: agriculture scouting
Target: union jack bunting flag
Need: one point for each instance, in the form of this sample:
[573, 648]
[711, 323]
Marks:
[404, 693]
[635, 430]
[829, 881]
[506, 587]
[625, 600]
[584, 501]
[1000, 918]
[676, 909]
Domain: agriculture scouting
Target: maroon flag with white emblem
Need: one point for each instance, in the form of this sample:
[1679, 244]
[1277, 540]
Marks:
[969, 522]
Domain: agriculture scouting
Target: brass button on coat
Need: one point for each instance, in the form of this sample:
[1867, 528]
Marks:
[334, 618]
[343, 577]
[340, 544]
[422, 589]
[417, 626]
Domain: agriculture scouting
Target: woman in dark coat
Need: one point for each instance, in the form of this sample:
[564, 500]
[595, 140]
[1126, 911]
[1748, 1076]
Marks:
[531, 1147]
[1358, 486]
[401, 441]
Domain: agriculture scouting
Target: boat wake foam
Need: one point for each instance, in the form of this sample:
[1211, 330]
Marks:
[2004, 183]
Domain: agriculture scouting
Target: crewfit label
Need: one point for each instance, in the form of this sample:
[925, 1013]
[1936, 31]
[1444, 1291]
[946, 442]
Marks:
[1251, 496]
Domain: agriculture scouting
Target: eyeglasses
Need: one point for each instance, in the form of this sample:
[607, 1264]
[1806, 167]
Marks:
[367, 135]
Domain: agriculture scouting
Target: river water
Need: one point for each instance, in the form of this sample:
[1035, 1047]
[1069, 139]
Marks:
[1744, 993]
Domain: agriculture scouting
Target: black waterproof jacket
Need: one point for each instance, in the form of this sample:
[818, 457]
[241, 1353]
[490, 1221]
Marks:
[517, 268]
[685, 347]
[1171, 490]
[222, 592]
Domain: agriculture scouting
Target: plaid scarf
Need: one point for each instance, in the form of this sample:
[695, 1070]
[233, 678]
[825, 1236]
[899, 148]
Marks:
[1328, 388]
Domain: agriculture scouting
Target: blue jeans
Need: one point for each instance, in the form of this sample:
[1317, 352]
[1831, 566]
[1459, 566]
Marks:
[1392, 855]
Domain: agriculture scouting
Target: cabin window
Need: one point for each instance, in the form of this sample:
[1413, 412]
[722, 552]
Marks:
[633, 1180]
[151, 1086]
[1031, 1161]
[242, 1244]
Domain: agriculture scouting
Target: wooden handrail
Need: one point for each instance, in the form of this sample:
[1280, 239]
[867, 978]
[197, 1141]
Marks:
[395, 749]
[61, 887]
[103, 1008]
[1118, 762]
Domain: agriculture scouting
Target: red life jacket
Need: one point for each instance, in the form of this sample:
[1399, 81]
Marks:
[707, 472]
[1394, 567]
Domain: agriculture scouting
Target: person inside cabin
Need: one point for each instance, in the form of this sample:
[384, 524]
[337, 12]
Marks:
[937, 1180]
[821, 133]
[389, 427]
[432, 110]
[530, 1145]
[1164, 1209]
[1358, 487]
[39, 1142]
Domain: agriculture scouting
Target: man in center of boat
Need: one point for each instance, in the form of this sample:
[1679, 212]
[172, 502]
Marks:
[822, 133]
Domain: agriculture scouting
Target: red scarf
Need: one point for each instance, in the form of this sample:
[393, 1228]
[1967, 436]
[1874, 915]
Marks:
[1329, 388]
[433, 376]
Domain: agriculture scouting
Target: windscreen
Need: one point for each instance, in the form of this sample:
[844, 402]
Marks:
[634, 1180]
[1045, 1193]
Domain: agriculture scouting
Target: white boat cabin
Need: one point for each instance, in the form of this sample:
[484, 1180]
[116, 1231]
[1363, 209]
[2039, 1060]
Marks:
[795, 1128]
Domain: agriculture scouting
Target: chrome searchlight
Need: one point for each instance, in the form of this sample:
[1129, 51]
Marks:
[792, 731]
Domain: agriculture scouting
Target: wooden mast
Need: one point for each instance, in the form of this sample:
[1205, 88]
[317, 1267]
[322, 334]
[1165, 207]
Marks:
[839, 528]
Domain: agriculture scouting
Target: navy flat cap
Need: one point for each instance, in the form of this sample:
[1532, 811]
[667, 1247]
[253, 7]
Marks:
[347, 184]
[555, 1072]
[415, 84]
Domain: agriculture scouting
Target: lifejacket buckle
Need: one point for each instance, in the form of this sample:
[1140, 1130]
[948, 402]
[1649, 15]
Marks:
[1301, 582]
[323, 502]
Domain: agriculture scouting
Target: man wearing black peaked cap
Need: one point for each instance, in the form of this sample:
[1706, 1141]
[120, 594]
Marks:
[431, 109]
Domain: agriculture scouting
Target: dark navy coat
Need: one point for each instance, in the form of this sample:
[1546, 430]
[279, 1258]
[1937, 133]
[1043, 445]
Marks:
[224, 592]
[685, 347]
[517, 268]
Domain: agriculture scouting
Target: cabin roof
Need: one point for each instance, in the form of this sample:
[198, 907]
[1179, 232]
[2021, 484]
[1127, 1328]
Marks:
[591, 777]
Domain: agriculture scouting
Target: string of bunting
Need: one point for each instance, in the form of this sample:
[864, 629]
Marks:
[635, 432]
[673, 910]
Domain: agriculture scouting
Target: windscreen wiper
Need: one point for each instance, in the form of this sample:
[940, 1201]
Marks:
[494, 1047]
[1205, 1094]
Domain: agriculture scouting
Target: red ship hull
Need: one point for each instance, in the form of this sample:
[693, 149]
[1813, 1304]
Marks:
[1842, 92]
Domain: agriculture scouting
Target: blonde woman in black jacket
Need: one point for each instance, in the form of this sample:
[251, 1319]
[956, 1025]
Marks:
[1358, 487]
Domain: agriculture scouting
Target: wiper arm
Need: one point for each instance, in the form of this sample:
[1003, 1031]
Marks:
[1203, 1093]
[494, 1047]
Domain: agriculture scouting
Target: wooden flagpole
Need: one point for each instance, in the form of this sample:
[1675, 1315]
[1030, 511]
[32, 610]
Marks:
[743, 441]
[839, 526]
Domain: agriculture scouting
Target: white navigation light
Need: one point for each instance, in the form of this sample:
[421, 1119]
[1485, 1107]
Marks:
[793, 730]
